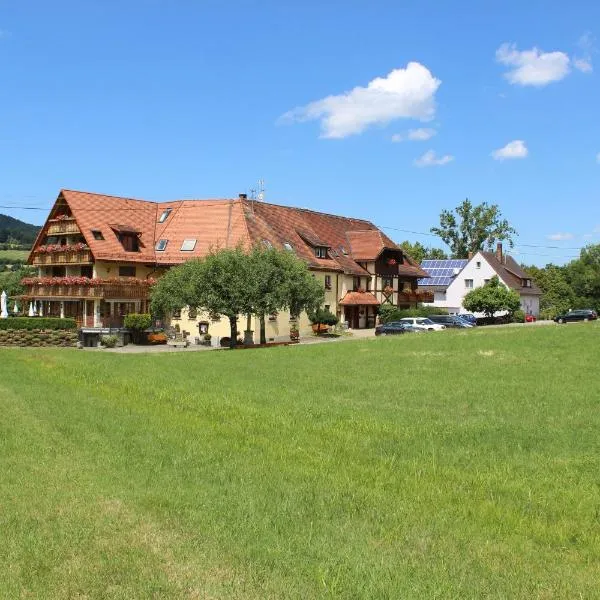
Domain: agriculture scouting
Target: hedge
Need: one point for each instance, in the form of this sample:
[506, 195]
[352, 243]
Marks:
[37, 323]
[388, 312]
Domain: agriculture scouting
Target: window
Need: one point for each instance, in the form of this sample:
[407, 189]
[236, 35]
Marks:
[478, 264]
[177, 313]
[87, 271]
[126, 271]
[188, 245]
[130, 242]
[343, 250]
[486, 281]
[388, 282]
[192, 312]
[288, 246]
[273, 316]
[97, 234]
[526, 282]
[327, 282]
[356, 283]
[267, 244]
[469, 284]
[164, 215]
[406, 286]
[328, 307]
[321, 252]
[161, 245]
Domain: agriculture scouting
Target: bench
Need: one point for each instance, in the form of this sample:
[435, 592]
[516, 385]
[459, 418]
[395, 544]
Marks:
[178, 340]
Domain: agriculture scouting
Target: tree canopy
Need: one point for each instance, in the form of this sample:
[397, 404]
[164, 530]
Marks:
[470, 228]
[491, 298]
[232, 282]
[420, 252]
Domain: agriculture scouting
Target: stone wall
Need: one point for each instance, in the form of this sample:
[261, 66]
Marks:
[24, 337]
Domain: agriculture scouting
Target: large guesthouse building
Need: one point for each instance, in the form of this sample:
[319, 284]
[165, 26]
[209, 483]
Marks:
[98, 256]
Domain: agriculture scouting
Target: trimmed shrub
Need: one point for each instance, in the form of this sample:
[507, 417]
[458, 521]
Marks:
[138, 321]
[323, 317]
[37, 323]
[109, 341]
[518, 316]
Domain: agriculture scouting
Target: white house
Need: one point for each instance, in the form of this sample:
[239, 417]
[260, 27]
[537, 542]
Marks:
[452, 280]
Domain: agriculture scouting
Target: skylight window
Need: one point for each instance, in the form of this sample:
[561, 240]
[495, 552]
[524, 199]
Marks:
[161, 245]
[288, 246]
[267, 244]
[97, 234]
[164, 215]
[188, 245]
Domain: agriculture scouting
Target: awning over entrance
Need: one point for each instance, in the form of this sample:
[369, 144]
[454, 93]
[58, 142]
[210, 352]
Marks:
[359, 299]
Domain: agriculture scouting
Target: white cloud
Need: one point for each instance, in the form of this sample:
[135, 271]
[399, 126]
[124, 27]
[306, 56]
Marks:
[429, 159]
[514, 149]
[403, 93]
[533, 67]
[414, 135]
[560, 237]
[587, 46]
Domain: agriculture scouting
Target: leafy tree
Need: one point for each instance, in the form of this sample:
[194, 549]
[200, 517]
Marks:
[280, 281]
[10, 281]
[557, 295]
[420, 252]
[472, 228]
[491, 298]
[220, 284]
[233, 282]
[583, 275]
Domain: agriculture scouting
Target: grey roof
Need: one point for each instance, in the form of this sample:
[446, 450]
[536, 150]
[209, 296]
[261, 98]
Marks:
[442, 272]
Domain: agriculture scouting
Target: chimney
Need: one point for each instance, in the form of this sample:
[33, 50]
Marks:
[470, 255]
[243, 196]
[499, 255]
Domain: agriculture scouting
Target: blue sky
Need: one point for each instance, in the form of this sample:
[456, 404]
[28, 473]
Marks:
[162, 99]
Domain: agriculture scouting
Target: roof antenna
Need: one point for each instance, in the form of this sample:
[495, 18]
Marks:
[261, 190]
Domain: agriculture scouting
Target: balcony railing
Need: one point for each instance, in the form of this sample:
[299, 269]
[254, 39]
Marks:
[63, 258]
[418, 295]
[108, 290]
[62, 227]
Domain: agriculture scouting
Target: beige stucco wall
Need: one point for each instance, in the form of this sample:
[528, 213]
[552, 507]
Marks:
[107, 270]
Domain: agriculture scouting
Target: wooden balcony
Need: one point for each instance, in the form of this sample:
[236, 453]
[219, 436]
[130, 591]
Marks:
[82, 257]
[104, 291]
[418, 295]
[63, 227]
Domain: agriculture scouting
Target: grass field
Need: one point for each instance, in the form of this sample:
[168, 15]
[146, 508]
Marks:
[450, 465]
[17, 255]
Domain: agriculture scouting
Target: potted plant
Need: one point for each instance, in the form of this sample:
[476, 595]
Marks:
[321, 320]
[294, 333]
[206, 339]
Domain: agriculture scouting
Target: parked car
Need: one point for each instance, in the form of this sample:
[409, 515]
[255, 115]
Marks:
[583, 314]
[450, 321]
[422, 323]
[468, 317]
[391, 328]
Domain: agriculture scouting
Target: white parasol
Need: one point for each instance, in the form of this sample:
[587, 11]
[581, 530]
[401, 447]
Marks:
[31, 310]
[3, 306]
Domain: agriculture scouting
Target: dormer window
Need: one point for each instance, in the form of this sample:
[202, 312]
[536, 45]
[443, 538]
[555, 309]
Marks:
[161, 245]
[288, 246]
[164, 215]
[526, 282]
[97, 234]
[321, 252]
[130, 242]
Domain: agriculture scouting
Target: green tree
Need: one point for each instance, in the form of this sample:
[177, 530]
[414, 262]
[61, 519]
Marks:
[491, 298]
[10, 281]
[557, 295]
[472, 228]
[583, 275]
[420, 252]
[279, 280]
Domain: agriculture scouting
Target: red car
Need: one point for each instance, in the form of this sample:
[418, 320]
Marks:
[530, 319]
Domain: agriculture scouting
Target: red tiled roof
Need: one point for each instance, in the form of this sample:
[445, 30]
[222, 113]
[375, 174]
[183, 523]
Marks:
[511, 273]
[225, 223]
[359, 298]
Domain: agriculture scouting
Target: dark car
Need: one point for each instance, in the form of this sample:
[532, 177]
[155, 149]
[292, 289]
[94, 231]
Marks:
[392, 328]
[468, 317]
[450, 321]
[582, 314]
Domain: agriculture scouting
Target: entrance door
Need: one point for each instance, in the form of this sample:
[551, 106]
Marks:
[351, 313]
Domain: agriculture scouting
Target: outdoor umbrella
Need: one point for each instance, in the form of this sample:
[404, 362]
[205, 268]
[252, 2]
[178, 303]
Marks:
[3, 308]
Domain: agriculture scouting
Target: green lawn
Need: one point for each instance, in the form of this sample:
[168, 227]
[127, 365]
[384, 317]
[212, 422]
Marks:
[447, 465]
[17, 255]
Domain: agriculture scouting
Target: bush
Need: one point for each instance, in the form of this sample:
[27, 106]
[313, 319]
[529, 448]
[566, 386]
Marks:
[518, 316]
[388, 312]
[36, 323]
[157, 338]
[323, 317]
[109, 341]
[138, 321]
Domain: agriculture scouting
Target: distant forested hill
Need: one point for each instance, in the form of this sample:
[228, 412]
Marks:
[16, 233]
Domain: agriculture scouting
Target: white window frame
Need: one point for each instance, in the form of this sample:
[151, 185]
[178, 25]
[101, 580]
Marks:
[186, 243]
[467, 286]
